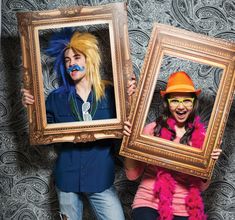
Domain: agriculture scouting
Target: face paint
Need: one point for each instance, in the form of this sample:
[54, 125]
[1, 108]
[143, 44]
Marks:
[75, 67]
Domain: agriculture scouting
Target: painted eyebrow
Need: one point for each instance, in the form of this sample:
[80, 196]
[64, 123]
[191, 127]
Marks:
[177, 99]
[76, 55]
[67, 58]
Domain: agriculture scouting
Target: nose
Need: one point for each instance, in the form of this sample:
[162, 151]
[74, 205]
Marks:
[180, 106]
[71, 63]
[68, 63]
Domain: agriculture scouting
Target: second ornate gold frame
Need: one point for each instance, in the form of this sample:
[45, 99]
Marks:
[170, 41]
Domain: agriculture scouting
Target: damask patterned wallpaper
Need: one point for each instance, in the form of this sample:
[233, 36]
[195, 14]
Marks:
[26, 184]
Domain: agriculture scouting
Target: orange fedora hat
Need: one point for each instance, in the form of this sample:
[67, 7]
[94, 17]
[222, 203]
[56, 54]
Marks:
[180, 82]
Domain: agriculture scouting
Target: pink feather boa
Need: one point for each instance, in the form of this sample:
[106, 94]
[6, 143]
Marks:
[164, 186]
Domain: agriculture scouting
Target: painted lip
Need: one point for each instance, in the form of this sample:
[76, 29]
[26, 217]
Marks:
[74, 73]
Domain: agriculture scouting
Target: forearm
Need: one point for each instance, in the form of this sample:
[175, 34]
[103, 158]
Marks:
[205, 184]
[130, 163]
[133, 168]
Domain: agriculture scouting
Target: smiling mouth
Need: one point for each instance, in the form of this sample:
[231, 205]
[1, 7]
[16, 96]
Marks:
[75, 68]
[181, 114]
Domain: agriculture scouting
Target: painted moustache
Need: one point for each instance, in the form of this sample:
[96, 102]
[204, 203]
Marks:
[75, 67]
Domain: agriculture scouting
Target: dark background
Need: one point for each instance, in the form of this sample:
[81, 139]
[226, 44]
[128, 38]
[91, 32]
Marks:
[26, 184]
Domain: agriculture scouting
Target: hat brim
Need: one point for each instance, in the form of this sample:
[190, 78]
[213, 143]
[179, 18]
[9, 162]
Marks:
[197, 92]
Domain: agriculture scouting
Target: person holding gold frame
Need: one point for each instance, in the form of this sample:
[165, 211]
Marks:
[164, 194]
[82, 168]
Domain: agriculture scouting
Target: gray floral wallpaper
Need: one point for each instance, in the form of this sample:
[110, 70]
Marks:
[26, 183]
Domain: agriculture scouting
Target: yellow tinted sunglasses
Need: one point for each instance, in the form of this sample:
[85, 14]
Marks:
[187, 102]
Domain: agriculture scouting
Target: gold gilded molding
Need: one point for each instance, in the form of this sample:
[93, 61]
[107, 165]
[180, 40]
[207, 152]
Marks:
[175, 42]
[114, 16]
[84, 137]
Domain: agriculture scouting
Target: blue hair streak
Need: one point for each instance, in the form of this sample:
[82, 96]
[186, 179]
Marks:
[57, 45]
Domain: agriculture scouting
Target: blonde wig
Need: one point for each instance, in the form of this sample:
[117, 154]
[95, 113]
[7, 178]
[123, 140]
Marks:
[87, 44]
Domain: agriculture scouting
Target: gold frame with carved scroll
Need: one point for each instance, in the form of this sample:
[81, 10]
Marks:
[29, 23]
[167, 40]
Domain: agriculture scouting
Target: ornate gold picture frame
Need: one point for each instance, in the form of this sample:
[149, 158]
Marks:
[109, 22]
[210, 53]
